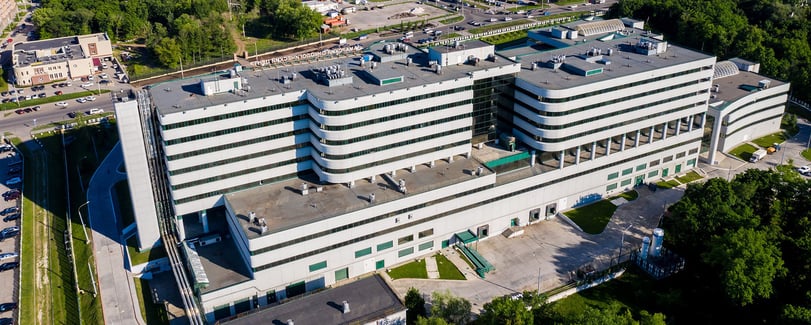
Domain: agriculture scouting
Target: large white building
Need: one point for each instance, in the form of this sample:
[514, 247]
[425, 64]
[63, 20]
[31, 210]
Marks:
[293, 178]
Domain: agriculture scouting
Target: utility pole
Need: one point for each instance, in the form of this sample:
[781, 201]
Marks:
[86, 238]
[92, 279]
[622, 241]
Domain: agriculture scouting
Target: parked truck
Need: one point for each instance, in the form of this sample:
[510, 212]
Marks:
[758, 155]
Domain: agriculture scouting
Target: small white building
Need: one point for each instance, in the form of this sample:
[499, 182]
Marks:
[44, 61]
[743, 105]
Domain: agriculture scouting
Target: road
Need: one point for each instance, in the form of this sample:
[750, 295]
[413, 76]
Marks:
[728, 167]
[118, 297]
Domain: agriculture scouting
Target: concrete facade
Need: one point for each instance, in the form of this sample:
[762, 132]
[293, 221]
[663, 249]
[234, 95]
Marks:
[45, 61]
[8, 12]
[744, 106]
[334, 169]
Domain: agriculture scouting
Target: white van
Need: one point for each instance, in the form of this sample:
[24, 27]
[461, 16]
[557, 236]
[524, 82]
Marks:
[96, 111]
[758, 155]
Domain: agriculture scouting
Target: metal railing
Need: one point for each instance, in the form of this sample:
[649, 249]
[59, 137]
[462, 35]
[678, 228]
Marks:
[164, 210]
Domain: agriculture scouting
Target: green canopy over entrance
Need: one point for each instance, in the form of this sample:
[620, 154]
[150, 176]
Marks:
[466, 237]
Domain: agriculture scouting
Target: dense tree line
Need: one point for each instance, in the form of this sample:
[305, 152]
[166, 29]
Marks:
[175, 31]
[748, 247]
[775, 33]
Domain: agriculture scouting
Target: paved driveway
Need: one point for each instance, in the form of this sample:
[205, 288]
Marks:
[549, 251]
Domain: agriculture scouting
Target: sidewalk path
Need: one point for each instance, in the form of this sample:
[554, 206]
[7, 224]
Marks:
[116, 289]
[430, 266]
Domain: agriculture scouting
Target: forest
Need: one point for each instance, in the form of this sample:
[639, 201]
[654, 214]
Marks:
[775, 33]
[177, 31]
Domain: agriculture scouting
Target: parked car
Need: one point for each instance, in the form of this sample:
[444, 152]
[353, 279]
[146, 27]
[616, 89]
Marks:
[35, 108]
[804, 169]
[90, 98]
[10, 192]
[81, 100]
[9, 210]
[8, 256]
[58, 92]
[9, 266]
[12, 217]
[6, 321]
[12, 197]
[72, 115]
[8, 306]
[87, 84]
[62, 104]
[13, 181]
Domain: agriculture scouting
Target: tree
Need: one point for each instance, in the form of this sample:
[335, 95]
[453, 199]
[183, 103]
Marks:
[433, 320]
[168, 52]
[749, 262]
[507, 311]
[452, 309]
[415, 305]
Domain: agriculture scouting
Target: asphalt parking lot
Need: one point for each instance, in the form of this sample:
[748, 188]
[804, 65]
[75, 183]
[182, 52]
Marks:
[9, 161]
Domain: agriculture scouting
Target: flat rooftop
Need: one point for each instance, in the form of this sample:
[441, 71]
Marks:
[185, 94]
[744, 83]
[60, 49]
[284, 207]
[223, 267]
[369, 299]
[623, 61]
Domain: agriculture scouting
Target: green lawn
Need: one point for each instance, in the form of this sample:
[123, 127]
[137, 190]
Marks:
[496, 26]
[505, 38]
[137, 257]
[807, 154]
[122, 194]
[29, 298]
[594, 217]
[743, 151]
[447, 271]
[689, 177]
[57, 300]
[669, 184]
[630, 195]
[452, 20]
[634, 290]
[413, 270]
[771, 139]
[152, 313]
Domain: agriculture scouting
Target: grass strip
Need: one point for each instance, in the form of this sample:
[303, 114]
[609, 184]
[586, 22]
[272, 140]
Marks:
[689, 177]
[743, 151]
[594, 217]
[447, 270]
[412, 270]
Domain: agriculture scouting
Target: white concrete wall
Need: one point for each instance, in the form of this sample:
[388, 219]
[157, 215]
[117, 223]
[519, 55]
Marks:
[138, 174]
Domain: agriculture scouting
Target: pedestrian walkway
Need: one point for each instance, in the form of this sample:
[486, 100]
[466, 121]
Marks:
[430, 266]
[119, 299]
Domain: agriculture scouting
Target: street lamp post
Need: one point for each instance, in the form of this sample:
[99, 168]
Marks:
[86, 238]
[622, 242]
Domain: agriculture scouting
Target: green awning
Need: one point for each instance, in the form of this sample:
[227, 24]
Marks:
[467, 237]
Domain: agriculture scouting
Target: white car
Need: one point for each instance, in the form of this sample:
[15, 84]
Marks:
[87, 84]
[90, 98]
[804, 169]
[103, 76]
[90, 78]
[62, 104]
[81, 100]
